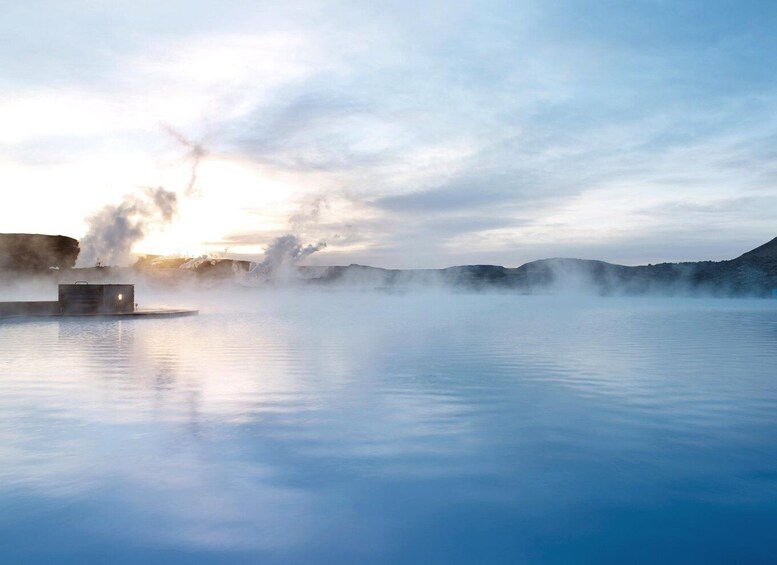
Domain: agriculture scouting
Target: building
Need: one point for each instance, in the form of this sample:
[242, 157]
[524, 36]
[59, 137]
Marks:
[82, 298]
[78, 299]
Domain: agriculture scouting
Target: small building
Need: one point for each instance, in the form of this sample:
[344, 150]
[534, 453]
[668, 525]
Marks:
[83, 298]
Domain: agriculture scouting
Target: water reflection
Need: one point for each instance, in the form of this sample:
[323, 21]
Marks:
[392, 428]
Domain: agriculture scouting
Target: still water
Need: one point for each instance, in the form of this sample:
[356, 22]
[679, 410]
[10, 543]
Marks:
[323, 428]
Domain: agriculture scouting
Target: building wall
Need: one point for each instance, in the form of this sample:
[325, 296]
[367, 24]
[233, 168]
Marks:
[96, 298]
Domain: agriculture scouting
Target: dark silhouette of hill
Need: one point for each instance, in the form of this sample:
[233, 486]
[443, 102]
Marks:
[765, 251]
[751, 274]
[35, 253]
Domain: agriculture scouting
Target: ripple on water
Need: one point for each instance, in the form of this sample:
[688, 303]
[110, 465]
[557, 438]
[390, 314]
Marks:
[394, 428]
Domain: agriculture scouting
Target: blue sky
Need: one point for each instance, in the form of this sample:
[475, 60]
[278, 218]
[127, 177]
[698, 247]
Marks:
[403, 134]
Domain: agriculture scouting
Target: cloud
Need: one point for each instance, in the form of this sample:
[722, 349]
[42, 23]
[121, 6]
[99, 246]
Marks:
[460, 194]
[461, 129]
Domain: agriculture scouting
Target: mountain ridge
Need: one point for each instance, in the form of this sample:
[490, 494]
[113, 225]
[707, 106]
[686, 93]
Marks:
[754, 273]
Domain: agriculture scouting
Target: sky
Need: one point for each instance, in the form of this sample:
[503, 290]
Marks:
[402, 134]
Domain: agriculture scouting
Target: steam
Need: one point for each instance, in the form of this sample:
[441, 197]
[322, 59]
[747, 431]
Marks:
[281, 257]
[114, 229]
[196, 262]
[308, 215]
[196, 153]
[285, 252]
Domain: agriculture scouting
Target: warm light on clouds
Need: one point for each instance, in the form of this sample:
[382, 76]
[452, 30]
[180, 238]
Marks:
[435, 134]
[232, 196]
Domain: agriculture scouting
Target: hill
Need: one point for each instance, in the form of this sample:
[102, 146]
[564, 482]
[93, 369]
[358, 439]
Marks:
[753, 273]
[36, 253]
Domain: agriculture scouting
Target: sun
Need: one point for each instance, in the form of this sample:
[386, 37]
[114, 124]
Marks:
[232, 196]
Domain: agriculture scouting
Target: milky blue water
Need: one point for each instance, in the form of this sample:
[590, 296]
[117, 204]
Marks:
[376, 428]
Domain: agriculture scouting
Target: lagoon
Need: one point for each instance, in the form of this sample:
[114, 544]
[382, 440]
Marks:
[367, 427]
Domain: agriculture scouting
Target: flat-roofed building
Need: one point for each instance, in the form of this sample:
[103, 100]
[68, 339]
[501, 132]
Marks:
[96, 298]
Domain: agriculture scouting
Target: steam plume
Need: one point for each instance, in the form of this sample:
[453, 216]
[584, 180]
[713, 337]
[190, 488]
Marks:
[196, 153]
[114, 229]
[286, 251]
[281, 257]
[308, 215]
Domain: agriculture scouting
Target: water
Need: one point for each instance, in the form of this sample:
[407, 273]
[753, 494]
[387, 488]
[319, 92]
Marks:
[380, 428]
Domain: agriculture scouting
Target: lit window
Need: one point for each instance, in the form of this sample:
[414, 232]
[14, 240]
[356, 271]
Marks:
[121, 297]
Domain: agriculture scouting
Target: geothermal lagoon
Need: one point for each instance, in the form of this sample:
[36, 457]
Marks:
[325, 427]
